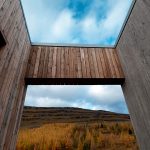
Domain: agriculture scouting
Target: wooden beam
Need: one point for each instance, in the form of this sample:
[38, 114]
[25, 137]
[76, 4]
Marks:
[71, 65]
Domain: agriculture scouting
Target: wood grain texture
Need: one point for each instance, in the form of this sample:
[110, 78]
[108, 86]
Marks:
[48, 63]
[134, 53]
[13, 62]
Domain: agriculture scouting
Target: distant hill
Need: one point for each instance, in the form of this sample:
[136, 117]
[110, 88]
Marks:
[37, 116]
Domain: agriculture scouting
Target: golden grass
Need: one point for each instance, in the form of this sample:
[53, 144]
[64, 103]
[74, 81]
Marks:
[78, 136]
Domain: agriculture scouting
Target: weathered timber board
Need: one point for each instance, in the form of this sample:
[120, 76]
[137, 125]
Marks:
[73, 65]
[134, 53]
[13, 62]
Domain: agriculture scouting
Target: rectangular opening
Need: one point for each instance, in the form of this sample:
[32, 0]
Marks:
[88, 23]
[2, 39]
[83, 117]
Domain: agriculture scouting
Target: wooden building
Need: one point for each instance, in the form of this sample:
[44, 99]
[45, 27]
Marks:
[22, 63]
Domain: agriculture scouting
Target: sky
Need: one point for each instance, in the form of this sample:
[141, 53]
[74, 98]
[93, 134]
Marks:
[96, 22]
[95, 97]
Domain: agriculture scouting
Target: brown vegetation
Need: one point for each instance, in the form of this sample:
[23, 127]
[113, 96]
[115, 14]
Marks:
[38, 116]
[78, 136]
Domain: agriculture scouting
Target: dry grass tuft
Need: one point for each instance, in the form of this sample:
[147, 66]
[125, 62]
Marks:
[78, 136]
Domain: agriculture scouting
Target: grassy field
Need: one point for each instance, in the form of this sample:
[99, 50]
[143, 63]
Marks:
[78, 136]
[37, 116]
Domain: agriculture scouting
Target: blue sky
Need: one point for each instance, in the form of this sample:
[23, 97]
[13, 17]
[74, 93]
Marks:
[96, 97]
[95, 22]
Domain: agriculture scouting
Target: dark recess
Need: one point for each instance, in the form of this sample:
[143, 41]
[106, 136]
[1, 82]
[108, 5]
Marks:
[2, 39]
[75, 81]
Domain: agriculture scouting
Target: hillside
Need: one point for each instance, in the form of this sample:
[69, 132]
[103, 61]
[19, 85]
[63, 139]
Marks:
[37, 116]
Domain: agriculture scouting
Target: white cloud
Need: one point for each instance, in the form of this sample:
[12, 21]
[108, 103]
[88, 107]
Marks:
[46, 101]
[89, 97]
[54, 22]
[101, 30]
[106, 94]
[62, 27]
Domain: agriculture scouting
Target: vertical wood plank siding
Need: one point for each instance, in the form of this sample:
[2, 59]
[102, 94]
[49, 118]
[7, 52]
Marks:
[13, 62]
[134, 53]
[47, 62]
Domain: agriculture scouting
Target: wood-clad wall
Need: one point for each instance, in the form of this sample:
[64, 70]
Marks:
[134, 53]
[47, 62]
[13, 61]
[73, 63]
